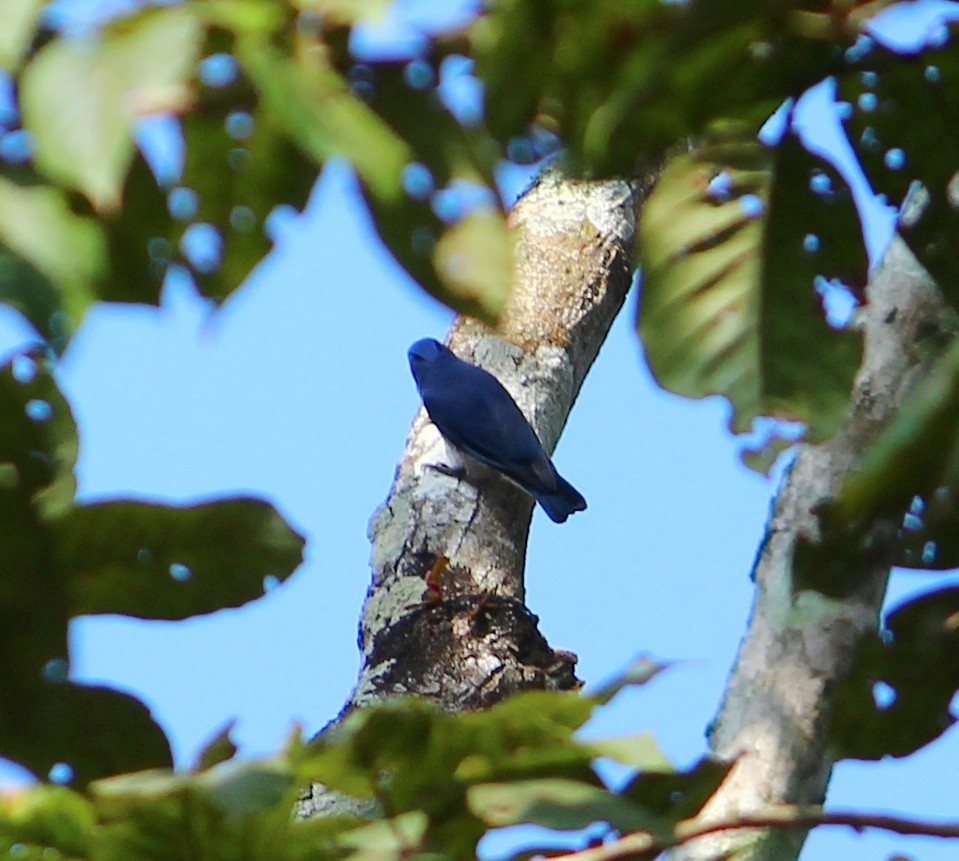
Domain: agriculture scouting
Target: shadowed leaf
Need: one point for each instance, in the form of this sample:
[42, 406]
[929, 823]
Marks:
[884, 93]
[219, 749]
[93, 731]
[896, 698]
[622, 83]
[168, 562]
[677, 795]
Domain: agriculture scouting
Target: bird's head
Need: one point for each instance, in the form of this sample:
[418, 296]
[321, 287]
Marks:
[424, 353]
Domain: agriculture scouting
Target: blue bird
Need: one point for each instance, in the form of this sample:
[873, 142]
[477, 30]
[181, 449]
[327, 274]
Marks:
[478, 417]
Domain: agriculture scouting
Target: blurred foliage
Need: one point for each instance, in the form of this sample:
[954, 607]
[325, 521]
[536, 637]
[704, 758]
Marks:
[885, 92]
[732, 240]
[897, 698]
[61, 560]
[439, 782]
[745, 246]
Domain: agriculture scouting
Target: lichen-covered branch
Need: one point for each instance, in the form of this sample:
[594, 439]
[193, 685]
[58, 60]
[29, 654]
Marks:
[775, 712]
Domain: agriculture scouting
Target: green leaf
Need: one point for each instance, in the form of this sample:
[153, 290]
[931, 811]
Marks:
[44, 720]
[930, 537]
[219, 749]
[729, 301]
[236, 810]
[388, 838]
[886, 91]
[564, 805]
[229, 184]
[241, 788]
[622, 83]
[913, 464]
[896, 699]
[81, 96]
[319, 112]
[431, 756]
[347, 11]
[640, 672]
[45, 817]
[467, 264]
[474, 260]
[38, 437]
[19, 20]
[93, 730]
[241, 165]
[639, 750]
[50, 258]
[168, 562]
[677, 795]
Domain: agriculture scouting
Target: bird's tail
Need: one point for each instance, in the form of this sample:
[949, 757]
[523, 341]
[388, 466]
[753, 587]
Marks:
[561, 504]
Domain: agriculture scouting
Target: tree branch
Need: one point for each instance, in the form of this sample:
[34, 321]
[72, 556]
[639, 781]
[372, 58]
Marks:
[775, 714]
[772, 818]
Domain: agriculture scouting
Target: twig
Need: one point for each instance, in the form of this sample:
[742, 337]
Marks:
[773, 817]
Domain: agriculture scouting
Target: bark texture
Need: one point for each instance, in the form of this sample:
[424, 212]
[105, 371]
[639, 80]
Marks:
[776, 707]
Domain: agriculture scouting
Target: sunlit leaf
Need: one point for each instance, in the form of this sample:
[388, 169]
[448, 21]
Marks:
[240, 788]
[46, 817]
[474, 259]
[734, 240]
[19, 20]
[387, 839]
[237, 810]
[347, 11]
[170, 562]
[639, 750]
[640, 672]
[561, 804]
[50, 258]
[82, 94]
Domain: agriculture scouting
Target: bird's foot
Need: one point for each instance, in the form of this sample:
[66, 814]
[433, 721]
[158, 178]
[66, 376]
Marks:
[445, 469]
[434, 584]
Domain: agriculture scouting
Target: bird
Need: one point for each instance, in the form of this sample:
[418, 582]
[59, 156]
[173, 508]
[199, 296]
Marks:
[478, 417]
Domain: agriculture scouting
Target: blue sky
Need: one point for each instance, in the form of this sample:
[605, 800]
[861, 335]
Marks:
[298, 390]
